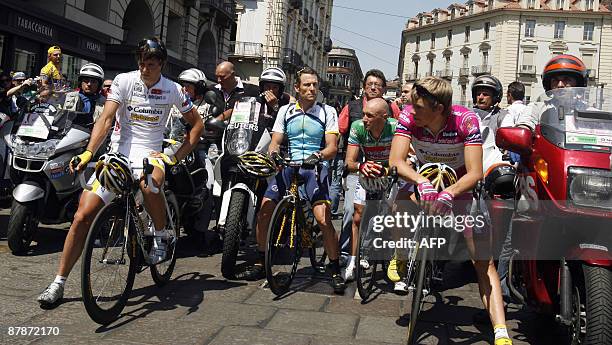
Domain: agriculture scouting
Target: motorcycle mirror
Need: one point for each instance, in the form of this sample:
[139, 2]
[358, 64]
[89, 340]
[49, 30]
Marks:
[514, 139]
[215, 125]
[216, 101]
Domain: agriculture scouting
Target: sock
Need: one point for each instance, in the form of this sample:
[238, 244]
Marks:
[351, 261]
[500, 331]
[334, 266]
[60, 280]
[261, 257]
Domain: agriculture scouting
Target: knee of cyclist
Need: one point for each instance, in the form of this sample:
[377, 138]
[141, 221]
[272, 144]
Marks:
[82, 219]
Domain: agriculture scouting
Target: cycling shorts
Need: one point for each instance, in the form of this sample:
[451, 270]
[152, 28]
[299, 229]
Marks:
[317, 191]
[135, 157]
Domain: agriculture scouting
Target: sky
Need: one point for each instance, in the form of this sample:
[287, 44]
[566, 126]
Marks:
[348, 25]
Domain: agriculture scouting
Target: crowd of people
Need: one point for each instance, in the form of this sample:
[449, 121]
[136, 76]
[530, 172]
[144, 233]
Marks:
[364, 137]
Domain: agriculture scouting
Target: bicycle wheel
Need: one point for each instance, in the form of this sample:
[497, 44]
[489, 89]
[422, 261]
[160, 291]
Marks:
[417, 293]
[284, 246]
[316, 251]
[366, 274]
[162, 272]
[109, 264]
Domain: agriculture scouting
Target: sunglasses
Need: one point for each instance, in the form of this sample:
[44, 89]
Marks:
[423, 92]
[152, 44]
[106, 85]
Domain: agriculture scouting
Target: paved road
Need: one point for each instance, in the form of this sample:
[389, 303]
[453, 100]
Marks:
[200, 307]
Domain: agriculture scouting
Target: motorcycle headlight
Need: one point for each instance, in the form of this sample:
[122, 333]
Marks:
[238, 143]
[590, 187]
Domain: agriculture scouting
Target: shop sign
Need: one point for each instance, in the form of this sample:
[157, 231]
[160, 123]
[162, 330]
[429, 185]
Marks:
[34, 26]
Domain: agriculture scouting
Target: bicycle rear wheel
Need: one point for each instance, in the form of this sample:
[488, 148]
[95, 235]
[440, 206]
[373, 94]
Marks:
[162, 272]
[417, 293]
[109, 264]
[284, 247]
[316, 251]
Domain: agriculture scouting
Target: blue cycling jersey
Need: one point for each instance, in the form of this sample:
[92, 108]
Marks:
[306, 130]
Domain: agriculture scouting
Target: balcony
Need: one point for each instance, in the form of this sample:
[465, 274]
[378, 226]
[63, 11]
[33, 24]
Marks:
[464, 72]
[446, 73]
[295, 4]
[592, 73]
[481, 69]
[527, 70]
[413, 76]
[246, 49]
[429, 74]
[227, 9]
[292, 60]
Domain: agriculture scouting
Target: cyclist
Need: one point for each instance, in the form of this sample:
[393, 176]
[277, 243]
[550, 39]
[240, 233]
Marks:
[311, 129]
[140, 102]
[441, 132]
[89, 98]
[371, 135]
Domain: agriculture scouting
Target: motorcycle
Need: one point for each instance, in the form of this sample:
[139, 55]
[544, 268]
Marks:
[247, 131]
[563, 212]
[43, 140]
[190, 179]
[6, 126]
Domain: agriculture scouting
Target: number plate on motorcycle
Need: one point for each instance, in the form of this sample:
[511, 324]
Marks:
[34, 126]
[243, 113]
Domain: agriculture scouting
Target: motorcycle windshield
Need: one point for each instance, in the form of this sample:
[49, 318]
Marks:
[577, 118]
[247, 127]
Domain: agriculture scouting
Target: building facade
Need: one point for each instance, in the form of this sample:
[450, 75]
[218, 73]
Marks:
[290, 34]
[344, 75]
[196, 33]
[510, 39]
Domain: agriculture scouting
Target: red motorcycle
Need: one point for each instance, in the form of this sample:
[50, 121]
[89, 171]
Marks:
[562, 226]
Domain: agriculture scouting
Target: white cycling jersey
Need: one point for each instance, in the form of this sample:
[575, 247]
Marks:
[143, 112]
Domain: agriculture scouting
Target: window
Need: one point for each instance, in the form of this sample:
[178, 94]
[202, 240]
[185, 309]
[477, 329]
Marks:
[487, 26]
[449, 38]
[416, 68]
[421, 21]
[25, 61]
[448, 65]
[490, 5]
[173, 35]
[71, 66]
[1, 48]
[471, 9]
[588, 31]
[588, 62]
[530, 28]
[485, 58]
[453, 11]
[560, 4]
[463, 94]
[467, 34]
[418, 43]
[589, 5]
[433, 40]
[466, 61]
[528, 59]
[559, 29]
[531, 4]
[431, 64]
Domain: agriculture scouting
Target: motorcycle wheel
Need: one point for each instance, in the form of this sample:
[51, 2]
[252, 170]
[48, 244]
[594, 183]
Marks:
[22, 226]
[233, 229]
[595, 299]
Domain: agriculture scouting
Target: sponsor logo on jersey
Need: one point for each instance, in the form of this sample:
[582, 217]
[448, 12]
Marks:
[157, 97]
[146, 110]
[449, 134]
[145, 118]
[156, 91]
[138, 88]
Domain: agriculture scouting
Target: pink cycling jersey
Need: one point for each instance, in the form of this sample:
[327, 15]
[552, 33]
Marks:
[462, 129]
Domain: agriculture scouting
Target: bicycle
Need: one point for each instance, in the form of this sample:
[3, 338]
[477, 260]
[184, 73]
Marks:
[424, 270]
[117, 245]
[289, 232]
[378, 193]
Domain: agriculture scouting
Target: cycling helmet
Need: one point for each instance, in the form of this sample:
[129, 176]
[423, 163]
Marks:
[151, 47]
[489, 82]
[273, 75]
[257, 164]
[499, 180]
[439, 174]
[113, 172]
[92, 70]
[567, 65]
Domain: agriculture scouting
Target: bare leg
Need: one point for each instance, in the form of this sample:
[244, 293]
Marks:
[154, 202]
[322, 214]
[263, 222]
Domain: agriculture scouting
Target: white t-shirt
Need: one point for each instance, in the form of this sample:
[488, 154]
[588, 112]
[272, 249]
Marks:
[514, 112]
[143, 112]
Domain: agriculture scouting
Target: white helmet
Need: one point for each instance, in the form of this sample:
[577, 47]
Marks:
[92, 70]
[194, 76]
[274, 75]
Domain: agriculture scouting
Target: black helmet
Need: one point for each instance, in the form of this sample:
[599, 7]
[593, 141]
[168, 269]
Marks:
[151, 47]
[490, 82]
[499, 180]
[565, 65]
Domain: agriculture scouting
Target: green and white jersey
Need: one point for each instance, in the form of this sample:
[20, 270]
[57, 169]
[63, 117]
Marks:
[376, 150]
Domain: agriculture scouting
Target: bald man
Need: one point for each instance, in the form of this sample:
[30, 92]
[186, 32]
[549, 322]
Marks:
[230, 85]
[371, 135]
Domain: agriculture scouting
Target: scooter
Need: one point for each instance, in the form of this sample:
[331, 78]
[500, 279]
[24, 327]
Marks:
[43, 141]
[562, 228]
[247, 131]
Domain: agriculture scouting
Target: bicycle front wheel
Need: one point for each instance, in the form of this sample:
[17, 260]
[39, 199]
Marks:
[162, 272]
[284, 247]
[109, 264]
[418, 292]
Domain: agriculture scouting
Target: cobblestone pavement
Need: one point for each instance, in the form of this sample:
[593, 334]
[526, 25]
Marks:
[200, 307]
